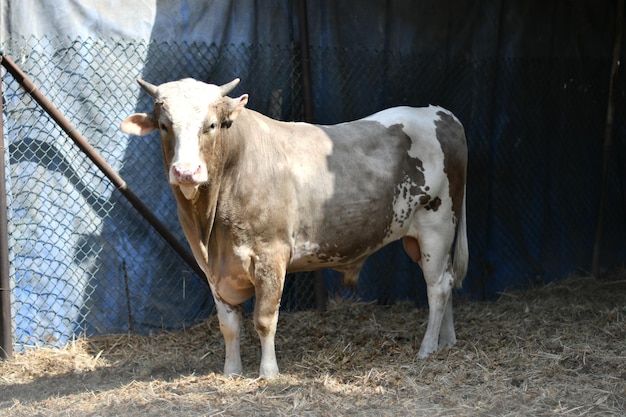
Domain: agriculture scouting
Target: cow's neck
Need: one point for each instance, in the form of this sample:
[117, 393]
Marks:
[234, 138]
[252, 141]
[197, 217]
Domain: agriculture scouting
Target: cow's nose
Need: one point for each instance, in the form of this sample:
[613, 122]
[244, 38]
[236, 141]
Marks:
[186, 173]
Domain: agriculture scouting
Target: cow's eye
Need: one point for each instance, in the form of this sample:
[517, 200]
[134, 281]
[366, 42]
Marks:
[163, 127]
[208, 128]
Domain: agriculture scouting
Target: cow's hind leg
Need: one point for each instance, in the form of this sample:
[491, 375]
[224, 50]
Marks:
[447, 335]
[435, 263]
[440, 329]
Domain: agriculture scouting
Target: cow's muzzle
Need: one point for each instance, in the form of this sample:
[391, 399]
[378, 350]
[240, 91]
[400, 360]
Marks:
[187, 174]
[188, 177]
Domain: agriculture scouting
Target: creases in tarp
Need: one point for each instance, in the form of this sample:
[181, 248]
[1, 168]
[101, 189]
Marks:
[528, 80]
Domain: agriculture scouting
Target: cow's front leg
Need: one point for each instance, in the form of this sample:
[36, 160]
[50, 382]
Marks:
[268, 291]
[265, 324]
[230, 324]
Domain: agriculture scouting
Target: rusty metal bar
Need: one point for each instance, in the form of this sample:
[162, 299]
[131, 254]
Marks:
[6, 335]
[104, 167]
[608, 137]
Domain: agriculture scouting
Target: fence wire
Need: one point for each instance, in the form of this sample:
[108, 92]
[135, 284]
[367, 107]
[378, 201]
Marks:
[84, 261]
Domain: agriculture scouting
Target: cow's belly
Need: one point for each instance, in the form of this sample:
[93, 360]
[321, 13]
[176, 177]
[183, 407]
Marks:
[345, 245]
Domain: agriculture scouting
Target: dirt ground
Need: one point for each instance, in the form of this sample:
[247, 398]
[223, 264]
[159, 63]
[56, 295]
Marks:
[556, 350]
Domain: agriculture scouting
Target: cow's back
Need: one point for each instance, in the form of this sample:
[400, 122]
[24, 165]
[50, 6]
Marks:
[378, 173]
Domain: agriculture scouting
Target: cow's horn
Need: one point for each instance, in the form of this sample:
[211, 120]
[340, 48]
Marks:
[227, 88]
[150, 89]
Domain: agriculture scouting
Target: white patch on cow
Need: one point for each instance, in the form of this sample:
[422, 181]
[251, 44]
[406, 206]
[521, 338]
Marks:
[419, 125]
[402, 207]
[308, 247]
[303, 251]
[243, 253]
[187, 104]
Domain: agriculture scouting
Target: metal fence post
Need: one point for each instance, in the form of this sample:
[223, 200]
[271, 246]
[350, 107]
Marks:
[608, 138]
[6, 339]
[307, 88]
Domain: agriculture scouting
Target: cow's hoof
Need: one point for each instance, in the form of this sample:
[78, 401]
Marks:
[232, 372]
[426, 352]
[447, 342]
[268, 372]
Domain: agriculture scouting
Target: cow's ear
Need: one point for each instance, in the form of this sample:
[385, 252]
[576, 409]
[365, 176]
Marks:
[139, 124]
[236, 106]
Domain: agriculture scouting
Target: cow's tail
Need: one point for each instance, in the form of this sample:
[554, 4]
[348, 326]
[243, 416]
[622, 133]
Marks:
[460, 260]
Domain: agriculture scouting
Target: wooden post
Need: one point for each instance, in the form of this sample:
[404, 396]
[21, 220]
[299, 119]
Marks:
[608, 138]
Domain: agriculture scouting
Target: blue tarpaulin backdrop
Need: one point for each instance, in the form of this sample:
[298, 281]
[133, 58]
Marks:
[528, 79]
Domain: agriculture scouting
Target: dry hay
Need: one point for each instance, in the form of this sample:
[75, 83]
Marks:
[556, 350]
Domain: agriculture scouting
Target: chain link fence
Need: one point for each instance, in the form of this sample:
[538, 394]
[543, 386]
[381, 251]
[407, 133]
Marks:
[84, 261]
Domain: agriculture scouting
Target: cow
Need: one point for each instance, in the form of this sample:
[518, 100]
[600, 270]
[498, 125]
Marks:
[258, 198]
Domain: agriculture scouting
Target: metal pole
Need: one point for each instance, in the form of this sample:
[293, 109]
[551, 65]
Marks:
[104, 167]
[608, 137]
[307, 89]
[6, 337]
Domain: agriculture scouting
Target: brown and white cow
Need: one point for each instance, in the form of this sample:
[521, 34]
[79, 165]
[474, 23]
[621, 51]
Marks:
[258, 198]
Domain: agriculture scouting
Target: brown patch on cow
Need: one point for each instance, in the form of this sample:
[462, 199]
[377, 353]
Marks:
[412, 248]
[410, 175]
[369, 162]
[426, 201]
[451, 136]
[433, 204]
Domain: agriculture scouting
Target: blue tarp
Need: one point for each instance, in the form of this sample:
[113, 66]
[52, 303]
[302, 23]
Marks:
[529, 80]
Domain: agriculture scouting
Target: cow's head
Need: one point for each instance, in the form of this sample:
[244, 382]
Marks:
[190, 115]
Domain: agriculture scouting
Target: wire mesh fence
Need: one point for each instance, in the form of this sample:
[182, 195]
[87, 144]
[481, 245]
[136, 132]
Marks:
[84, 261]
